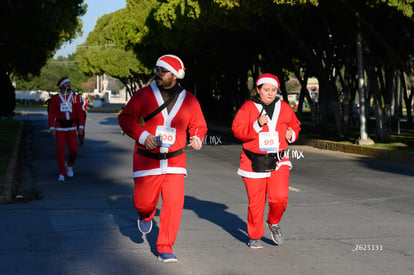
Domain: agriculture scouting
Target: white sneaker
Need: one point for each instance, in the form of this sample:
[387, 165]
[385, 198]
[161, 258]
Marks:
[69, 172]
[144, 227]
[61, 178]
[255, 244]
[276, 233]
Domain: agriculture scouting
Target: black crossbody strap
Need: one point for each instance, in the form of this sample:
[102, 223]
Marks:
[166, 103]
[159, 109]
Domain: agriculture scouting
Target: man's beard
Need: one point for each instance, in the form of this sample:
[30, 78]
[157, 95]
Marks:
[164, 83]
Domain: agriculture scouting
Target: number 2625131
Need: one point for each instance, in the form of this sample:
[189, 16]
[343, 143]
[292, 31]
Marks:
[367, 247]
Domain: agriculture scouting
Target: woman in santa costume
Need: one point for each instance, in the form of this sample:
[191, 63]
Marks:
[157, 118]
[265, 125]
[65, 121]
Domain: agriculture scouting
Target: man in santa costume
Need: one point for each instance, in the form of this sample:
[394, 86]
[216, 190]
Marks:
[157, 117]
[65, 121]
[265, 125]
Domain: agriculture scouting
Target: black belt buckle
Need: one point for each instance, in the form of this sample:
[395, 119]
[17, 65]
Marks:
[163, 155]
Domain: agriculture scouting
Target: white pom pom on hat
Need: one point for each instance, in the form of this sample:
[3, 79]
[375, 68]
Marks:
[172, 63]
[269, 79]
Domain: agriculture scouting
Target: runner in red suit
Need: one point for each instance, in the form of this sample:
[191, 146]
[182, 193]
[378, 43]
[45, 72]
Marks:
[65, 121]
[159, 161]
[265, 125]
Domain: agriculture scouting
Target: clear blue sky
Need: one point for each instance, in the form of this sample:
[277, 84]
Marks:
[96, 8]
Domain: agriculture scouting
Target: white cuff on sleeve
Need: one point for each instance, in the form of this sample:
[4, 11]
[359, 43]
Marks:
[199, 142]
[143, 137]
[293, 138]
[256, 126]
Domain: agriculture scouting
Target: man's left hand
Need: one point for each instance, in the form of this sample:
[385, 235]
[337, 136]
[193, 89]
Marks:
[289, 133]
[194, 143]
[80, 131]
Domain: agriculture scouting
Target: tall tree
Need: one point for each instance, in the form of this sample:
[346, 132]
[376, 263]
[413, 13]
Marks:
[106, 51]
[54, 69]
[31, 31]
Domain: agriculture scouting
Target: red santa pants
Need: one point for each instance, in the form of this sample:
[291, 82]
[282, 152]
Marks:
[71, 139]
[146, 195]
[276, 188]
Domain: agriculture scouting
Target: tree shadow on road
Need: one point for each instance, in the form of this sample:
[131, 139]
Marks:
[217, 214]
[389, 166]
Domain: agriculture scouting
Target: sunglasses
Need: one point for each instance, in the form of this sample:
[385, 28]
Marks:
[161, 71]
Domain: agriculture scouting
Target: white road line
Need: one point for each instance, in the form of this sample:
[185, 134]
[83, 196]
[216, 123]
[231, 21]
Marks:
[293, 189]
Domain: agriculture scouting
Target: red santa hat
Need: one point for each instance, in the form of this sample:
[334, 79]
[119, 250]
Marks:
[269, 79]
[62, 81]
[172, 63]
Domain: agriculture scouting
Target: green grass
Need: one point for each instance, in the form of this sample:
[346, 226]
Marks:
[403, 142]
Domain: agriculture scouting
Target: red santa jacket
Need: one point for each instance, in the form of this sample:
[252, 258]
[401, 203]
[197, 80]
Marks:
[185, 114]
[65, 112]
[246, 128]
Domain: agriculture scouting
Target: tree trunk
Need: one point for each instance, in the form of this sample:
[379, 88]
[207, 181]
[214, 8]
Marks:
[337, 110]
[323, 103]
[303, 89]
[381, 129]
[387, 94]
[305, 93]
[348, 109]
[408, 99]
[282, 87]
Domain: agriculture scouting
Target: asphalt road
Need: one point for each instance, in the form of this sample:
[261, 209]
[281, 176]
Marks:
[347, 214]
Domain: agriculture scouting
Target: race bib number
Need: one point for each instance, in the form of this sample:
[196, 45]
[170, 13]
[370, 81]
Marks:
[269, 141]
[65, 107]
[167, 135]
